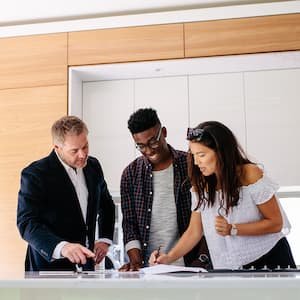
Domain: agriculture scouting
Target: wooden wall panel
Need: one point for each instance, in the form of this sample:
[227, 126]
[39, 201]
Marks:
[241, 36]
[26, 117]
[125, 44]
[33, 61]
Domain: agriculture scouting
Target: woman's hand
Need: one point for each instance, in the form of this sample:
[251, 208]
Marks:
[222, 226]
[159, 258]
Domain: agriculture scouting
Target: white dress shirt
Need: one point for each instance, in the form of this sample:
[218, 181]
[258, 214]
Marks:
[79, 183]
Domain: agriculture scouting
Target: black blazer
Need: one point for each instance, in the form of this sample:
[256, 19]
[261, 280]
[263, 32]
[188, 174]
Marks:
[49, 211]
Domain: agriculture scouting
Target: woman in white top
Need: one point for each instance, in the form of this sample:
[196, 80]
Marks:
[234, 206]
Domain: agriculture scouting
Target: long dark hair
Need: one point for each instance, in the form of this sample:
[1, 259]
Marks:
[230, 159]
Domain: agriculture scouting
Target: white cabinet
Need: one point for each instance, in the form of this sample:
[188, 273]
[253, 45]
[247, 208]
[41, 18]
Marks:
[256, 96]
[273, 122]
[169, 96]
[106, 107]
[218, 97]
[261, 108]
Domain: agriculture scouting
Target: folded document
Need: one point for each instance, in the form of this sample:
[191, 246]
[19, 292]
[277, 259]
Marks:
[162, 269]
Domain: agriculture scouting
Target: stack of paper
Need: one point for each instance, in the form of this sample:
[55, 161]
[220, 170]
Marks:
[162, 269]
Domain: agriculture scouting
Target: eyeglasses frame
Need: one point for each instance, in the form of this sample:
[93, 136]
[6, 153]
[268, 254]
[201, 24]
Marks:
[155, 143]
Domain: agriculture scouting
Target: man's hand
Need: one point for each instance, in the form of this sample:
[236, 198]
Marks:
[100, 250]
[135, 261]
[76, 253]
[130, 267]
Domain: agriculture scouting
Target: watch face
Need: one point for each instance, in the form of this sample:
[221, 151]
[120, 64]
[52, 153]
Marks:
[233, 230]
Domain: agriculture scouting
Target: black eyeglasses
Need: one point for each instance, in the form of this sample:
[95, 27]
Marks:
[152, 144]
[194, 134]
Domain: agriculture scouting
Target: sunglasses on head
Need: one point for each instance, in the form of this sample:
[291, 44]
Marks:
[194, 134]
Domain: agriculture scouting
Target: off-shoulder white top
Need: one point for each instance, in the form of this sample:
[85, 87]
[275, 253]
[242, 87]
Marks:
[232, 252]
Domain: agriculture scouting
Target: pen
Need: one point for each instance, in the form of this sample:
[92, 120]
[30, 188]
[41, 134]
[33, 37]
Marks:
[157, 255]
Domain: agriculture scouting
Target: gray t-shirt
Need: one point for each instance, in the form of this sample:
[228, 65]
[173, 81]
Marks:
[163, 227]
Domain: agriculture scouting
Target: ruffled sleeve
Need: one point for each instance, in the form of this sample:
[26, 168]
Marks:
[262, 190]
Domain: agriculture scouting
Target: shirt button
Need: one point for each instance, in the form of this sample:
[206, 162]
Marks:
[150, 193]
[145, 244]
[147, 227]
[151, 175]
[149, 209]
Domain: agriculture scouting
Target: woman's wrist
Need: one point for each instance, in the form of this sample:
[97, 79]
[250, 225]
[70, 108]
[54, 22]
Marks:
[171, 257]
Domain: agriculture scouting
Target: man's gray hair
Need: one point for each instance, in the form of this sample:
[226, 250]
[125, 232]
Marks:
[67, 125]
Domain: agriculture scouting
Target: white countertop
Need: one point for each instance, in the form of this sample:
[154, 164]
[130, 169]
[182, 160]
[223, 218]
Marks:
[108, 279]
[114, 285]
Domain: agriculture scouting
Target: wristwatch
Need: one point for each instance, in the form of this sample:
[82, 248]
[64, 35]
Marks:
[233, 230]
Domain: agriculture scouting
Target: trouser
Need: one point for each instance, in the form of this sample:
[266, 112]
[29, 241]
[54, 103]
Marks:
[279, 256]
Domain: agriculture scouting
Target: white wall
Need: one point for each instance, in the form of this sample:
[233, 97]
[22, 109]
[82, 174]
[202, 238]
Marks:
[291, 207]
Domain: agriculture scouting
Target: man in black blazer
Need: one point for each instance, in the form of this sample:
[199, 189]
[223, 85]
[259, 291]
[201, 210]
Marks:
[61, 198]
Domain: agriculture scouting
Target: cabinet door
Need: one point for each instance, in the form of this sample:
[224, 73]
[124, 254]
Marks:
[218, 97]
[126, 44]
[106, 109]
[26, 117]
[169, 96]
[242, 35]
[30, 61]
[273, 122]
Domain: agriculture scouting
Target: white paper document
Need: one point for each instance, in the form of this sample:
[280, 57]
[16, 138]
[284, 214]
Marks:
[162, 269]
[57, 273]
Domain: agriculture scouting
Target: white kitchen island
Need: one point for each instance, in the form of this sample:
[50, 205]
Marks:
[113, 285]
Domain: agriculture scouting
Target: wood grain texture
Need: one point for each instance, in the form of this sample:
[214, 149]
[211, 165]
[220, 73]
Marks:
[242, 36]
[33, 61]
[125, 44]
[26, 117]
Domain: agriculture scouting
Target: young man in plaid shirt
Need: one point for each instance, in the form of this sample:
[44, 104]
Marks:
[155, 194]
